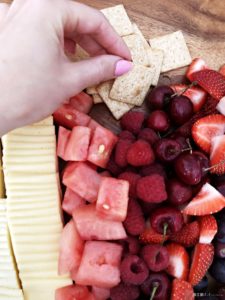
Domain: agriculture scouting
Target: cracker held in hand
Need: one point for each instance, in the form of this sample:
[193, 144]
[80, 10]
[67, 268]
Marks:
[133, 87]
[118, 109]
[138, 51]
[118, 18]
[156, 60]
[176, 53]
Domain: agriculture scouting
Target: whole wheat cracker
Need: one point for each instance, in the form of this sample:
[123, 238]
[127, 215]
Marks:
[133, 87]
[176, 53]
[118, 18]
[118, 109]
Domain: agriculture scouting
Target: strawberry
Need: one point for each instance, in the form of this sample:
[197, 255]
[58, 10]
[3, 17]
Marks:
[201, 261]
[217, 155]
[208, 108]
[188, 236]
[150, 236]
[211, 81]
[222, 70]
[178, 261]
[196, 94]
[206, 128]
[140, 154]
[207, 201]
[197, 64]
[221, 106]
[182, 290]
[208, 229]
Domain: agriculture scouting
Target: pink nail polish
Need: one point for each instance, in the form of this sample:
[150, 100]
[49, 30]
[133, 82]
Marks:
[122, 67]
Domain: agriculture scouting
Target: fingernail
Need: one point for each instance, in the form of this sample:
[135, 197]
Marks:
[122, 67]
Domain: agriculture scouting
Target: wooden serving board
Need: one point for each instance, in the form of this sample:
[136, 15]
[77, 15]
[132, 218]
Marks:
[202, 22]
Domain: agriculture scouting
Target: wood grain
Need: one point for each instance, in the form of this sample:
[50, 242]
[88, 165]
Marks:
[202, 21]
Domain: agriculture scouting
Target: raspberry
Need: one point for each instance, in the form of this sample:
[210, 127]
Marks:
[156, 257]
[155, 168]
[135, 222]
[112, 167]
[133, 270]
[126, 135]
[149, 135]
[131, 245]
[152, 189]
[124, 292]
[140, 154]
[132, 121]
[121, 150]
[132, 178]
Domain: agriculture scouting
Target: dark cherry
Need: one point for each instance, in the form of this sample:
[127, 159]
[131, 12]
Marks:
[159, 96]
[220, 249]
[183, 141]
[204, 161]
[156, 257]
[180, 109]
[217, 270]
[167, 150]
[158, 121]
[159, 280]
[220, 236]
[188, 168]
[167, 219]
[178, 192]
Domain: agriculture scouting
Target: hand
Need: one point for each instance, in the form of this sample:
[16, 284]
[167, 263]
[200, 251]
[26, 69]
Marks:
[35, 74]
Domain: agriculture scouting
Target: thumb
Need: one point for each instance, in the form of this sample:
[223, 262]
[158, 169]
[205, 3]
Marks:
[93, 71]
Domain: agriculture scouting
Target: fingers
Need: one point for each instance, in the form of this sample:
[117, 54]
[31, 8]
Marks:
[90, 45]
[80, 75]
[84, 20]
[4, 7]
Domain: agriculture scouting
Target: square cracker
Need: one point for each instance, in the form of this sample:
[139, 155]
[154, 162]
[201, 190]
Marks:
[80, 54]
[176, 53]
[118, 109]
[138, 51]
[133, 87]
[118, 18]
[138, 32]
[156, 60]
[97, 98]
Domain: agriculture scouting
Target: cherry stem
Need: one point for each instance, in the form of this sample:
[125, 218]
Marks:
[215, 166]
[154, 290]
[184, 90]
[165, 227]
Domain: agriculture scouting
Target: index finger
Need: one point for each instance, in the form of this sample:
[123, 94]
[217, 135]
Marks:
[84, 20]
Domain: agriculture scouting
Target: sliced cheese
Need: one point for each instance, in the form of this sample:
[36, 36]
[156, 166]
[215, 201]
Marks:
[46, 121]
[34, 131]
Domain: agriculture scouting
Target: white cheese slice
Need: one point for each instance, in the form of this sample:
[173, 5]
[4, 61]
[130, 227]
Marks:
[46, 121]
[34, 131]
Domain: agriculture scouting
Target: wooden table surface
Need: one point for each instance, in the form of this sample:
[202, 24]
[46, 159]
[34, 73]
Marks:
[202, 22]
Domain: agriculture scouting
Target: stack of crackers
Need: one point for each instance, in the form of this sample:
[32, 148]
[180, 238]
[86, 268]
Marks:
[161, 54]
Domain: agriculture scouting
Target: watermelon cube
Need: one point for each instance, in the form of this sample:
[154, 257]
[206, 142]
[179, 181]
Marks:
[63, 139]
[82, 102]
[74, 292]
[102, 144]
[91, 226]
[78, 144]
[100, 265]
[113, 199]
[71, 201]
[100, 293]
[83, 180]
[71, 249]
